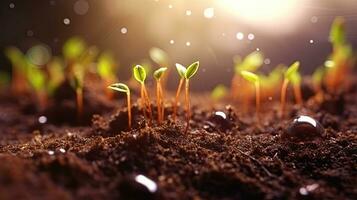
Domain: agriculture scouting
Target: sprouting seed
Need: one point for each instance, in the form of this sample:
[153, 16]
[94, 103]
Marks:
[190, 72]
[140, 75]
[181, 70]
[253, 78]
[121, 87]
[77, 83]
[288, 76]
[159, 93]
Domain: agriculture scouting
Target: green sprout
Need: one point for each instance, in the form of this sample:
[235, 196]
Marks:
[253, 78]
[161, 58]
[219, 92]
[159, 93]
[140, 75]
[106, 68]
[296, 83]
[56, 75]
[288, 77]
[189, 73]
[121, 87]
[181, 70]
[317, 78]
[77, 82]
[37, 79]
[19, 70]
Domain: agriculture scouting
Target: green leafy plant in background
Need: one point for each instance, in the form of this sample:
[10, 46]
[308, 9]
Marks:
[219, 92]
[317, 78]
[121, 87]
[181, 70]
[289, 76]
[56, 75]
[19, 70]
[253, 78]
[158, 74]
[77, 82]
[140, 75]
[106, 68]
[189, 73]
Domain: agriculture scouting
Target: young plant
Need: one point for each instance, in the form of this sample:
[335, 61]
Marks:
[19, 73]
[161, 58]
[253, 78]
[288, 76]
[159, 94]
[121, 87]
[181, 71]
[106, 68]
[219, 92]
[37, 79]
[77, 83]
[56, 75]
[296, 83]
[189, 73]
[317, 78]
[140, 75]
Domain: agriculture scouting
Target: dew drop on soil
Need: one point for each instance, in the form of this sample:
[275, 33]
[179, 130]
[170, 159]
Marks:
[42, 119]
[51, 153]
[148, 183]
[62, 150]
[309, 188]
[304, 127]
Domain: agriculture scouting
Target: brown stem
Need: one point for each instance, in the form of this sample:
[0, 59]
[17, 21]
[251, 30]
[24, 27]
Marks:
[187, 102]
[142, 101]
[42, 100]
[162, 103]
[257, 100]
[129, 109]
[158, 101]
[79, 92]
[177, 99]
[234, 87]
[283, 97]
[297, 94]
[148, 103]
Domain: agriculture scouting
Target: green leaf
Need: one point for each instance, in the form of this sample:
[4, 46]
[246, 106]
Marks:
[120, 87]
[77, 76]
[337, 32]
[16, 58]
[296, 79]
[292, 70]
[106, 65]
[73, 48]
[139, 73]
[36, 77]
[192, 69]
[249, 76]
[251, 62]
[181, 70]
[56, 74]
[219, 92]
[159, 56]
[159, 72]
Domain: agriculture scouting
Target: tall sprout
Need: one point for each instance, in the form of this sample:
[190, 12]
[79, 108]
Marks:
[189, 73]
[158, 74]
[19, 70]
[140, 75]
[181, 70]
[121, 87]
[288, 77]
[253, 78]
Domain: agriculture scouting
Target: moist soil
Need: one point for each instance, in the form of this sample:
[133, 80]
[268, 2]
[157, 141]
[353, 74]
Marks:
[217, 158]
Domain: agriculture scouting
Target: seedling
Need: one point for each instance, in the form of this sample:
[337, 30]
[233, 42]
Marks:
[121, 87]
[219, 92]
[161, 58]
[181, 71]
[288, 76]
[106, 68]
[189, 73]
[56, 75]
[159, 93]
[253, 78]
[140, 76]
[77, 82]
[19, 66]
[296, 82]
[317, 78]
[37, 80]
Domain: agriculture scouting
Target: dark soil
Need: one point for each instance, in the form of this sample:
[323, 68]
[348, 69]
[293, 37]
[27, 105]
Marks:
[232, 158]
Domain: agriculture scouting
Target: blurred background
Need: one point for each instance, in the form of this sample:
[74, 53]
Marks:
[211, 31]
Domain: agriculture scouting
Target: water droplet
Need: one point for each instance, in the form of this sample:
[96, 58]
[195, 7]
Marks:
[188, 12]
[221, 114]
[304, 127]
[267, 61]
[148, 183]
[314, 19]
[124, 30]
[42, 119]
[251, 36]
[240, 36]
[172, 42]
[62, 150]
[308, 189]
[51, 153]
[12, 5]
[188, 44]
[208, 13]
[311, 41]
[220, 120]
[81, 7]
[66, 21]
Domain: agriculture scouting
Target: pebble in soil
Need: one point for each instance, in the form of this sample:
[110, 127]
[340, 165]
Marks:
[303, 128]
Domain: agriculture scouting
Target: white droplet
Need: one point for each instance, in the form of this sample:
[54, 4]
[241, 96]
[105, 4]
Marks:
[62, 150]
[124, 30]
[314, 19]
[51, 153]
[240, 36]
[172, 42]
[42, 119]
[222, 114]
[311, 41]
[188, 44]
[257, 49]
[81, 7]
[66, 21]
[12, 5]
[171, 6]
[267, 61]
[188, 12]
[251, 36]
[148, 183]
[208, 13]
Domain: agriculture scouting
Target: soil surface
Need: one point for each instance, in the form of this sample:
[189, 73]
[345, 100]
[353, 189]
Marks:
[222, 156]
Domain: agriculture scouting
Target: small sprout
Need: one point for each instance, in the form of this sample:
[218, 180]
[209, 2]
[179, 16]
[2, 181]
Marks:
[37, 79]
[337, 32]
[288, 76]
[19, 73]
[56, 75]
[219, 92]
[190, 72]
[181, 70]
[121, 87]
[296, 82]
[253, 78]
[159, 93]
[77, 83]
[106, 68]
[140, 75]
[317, 78]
